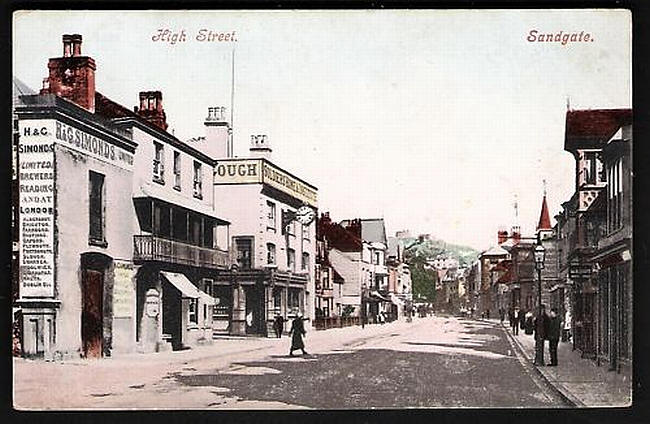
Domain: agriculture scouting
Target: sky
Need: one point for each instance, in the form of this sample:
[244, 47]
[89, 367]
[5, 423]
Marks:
[434, 120]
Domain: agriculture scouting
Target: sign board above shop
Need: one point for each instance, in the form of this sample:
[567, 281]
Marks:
[580, 272]
[260, 171]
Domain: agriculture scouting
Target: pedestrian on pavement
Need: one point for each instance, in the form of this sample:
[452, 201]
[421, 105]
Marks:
[501, 315]
[278, 325]
[553, 336]
[514, 322]
[487, 314]
[528, 326]
[296, 333]
[541, 330]
[522, 318]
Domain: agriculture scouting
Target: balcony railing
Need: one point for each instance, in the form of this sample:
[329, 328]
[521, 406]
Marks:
[151, 248]
[324, 292]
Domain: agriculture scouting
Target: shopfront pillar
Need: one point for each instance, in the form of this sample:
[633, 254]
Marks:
[238, 320]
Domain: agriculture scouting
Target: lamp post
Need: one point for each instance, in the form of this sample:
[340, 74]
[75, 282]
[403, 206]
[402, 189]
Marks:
[363, 304]
[539, 253]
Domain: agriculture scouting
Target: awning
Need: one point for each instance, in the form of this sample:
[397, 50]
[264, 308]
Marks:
[183, 285]
[378, 296]
[396, 300]
[153, 191]
[207, 299]
[187, 289]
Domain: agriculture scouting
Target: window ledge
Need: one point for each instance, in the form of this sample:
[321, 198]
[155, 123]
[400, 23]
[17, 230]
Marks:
[160, 181]
[177, 188]
[198, 196]
[98, 243]
[270, 228]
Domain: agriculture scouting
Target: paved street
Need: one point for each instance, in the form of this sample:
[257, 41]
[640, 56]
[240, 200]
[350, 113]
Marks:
[432, 362]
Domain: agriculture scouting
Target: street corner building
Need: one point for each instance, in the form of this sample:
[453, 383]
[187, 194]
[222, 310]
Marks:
[275, 247]
[122, 232]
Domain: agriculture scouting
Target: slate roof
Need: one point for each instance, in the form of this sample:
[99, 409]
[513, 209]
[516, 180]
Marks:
[18, 89]
[591, 129]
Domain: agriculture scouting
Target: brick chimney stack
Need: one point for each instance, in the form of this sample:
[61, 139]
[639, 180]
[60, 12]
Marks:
[151, 109]
[502, 236]
[72, 76]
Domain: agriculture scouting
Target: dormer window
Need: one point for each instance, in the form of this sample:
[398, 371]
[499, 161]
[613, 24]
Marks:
[159, 163]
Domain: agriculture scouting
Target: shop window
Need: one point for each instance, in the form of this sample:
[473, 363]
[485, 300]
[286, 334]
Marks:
[159, 163]
[177, 171]
[198, 181]
[193, 311]
[97, 209]
[305, 262]
[293, 301]
[291, 259]
[270, 253]
[271, 216]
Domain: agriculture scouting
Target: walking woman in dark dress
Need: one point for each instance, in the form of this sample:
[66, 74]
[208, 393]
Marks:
[296, 333]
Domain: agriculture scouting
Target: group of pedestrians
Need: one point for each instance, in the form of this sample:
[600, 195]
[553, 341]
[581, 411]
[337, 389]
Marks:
[549, 328]
[297, 332]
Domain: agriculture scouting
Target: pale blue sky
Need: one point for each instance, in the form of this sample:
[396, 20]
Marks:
[431, 119]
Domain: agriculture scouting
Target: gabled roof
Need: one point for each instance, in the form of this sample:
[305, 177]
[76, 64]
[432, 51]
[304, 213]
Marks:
[18, 89]
[591, 129]
[544, 219]
[495, 251]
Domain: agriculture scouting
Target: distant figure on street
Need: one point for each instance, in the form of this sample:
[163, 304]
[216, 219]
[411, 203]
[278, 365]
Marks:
[510, 314]
[553, 336]
[541, 330]
[296, 333]
[487, 314]
[278, 326]
[501, 315]
[522, 319]
[382, 317]
[528, 325]
[566, 331]
[514, 322]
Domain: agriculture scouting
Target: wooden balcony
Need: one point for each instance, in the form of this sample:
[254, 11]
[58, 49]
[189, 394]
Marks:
[324, 292]
[151, 248]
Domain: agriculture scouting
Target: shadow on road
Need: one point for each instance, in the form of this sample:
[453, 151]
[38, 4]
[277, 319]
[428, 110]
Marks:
[377, 378]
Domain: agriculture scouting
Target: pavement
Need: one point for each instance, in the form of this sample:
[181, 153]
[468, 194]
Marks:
[579, 380]
[432, 362]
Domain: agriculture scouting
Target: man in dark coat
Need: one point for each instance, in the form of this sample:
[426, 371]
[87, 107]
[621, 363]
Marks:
[541, 329]
[278, 325]
[553, 336]
[514, 321]
[296, 333]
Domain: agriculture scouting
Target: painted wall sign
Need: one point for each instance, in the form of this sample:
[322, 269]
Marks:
[251, 171]
[90, 145]
[152, 303]
[279, 179]
[36, 209]
[123, 290]
[245, 171]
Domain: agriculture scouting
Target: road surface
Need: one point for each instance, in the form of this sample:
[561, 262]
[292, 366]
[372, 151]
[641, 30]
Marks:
[431, 362]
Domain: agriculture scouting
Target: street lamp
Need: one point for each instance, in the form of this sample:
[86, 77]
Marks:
[364, 288]
[539, 254]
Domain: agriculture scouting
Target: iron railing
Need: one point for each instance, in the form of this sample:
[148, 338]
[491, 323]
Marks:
[152, 248]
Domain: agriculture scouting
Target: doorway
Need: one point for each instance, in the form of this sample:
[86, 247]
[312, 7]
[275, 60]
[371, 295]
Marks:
[255, 311]
[92, 322]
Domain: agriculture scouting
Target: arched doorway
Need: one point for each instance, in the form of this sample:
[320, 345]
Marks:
[94, 268]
